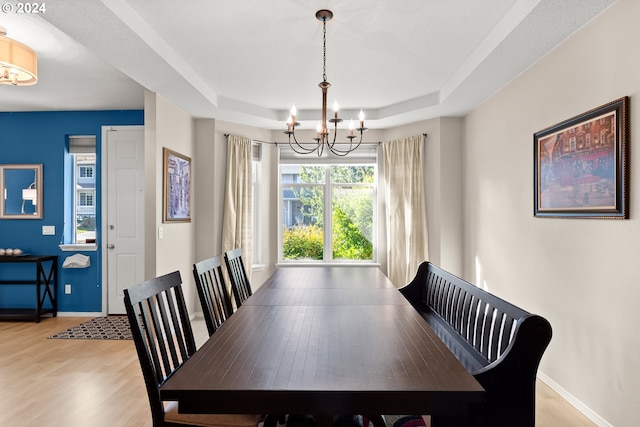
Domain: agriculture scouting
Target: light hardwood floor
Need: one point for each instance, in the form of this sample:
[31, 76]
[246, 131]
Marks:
[80, 383]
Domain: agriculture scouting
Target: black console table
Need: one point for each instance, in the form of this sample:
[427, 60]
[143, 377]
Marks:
[46, 283]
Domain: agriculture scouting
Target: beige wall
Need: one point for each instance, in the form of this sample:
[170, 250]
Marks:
[580, 274]
[168, 126]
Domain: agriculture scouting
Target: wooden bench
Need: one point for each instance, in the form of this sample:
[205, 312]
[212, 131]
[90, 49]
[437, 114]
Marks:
[499, 343]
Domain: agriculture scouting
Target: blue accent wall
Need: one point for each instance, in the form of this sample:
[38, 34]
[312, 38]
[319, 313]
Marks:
[41, 137]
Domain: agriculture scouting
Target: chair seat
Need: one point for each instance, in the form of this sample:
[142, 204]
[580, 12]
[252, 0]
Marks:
[171, 415]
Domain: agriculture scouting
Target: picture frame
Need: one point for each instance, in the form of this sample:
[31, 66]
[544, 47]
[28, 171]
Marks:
[580, 165]
[176, 186]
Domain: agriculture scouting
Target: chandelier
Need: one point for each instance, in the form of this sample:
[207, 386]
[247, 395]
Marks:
[18, 62]
[323, 138]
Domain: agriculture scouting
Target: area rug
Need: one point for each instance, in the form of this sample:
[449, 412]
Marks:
[99, 328]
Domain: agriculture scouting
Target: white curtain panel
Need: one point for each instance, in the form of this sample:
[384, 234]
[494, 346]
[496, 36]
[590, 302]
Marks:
[238, 201]
[407, 243]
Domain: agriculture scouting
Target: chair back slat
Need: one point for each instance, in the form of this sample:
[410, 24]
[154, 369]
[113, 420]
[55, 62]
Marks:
[213, 292]
[238, 276]
[161, 332]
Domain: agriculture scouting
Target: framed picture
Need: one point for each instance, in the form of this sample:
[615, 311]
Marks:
[580, 165]
[177, 187]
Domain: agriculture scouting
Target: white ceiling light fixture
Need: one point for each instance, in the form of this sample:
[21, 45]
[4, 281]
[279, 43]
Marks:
[322, 138]
[18, 62]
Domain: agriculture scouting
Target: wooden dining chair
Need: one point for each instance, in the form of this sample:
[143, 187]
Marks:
[238, 276]
[213, 293]
[164, 341]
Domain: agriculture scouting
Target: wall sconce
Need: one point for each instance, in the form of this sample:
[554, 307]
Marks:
[30, 193]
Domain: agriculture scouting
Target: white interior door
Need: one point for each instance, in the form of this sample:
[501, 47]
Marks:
[123, 212]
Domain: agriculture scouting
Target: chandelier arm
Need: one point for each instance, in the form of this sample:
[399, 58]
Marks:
[335, 134]
[303, 149]
[343, 153]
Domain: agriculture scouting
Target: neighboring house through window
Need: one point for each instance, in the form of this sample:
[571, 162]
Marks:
[85, 198]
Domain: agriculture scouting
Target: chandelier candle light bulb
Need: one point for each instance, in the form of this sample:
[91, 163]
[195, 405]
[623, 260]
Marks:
[322, 136]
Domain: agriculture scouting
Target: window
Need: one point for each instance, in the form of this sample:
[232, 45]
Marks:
[80, 197]
[328, 212]
[256, 179]
[86, 198]
[84, 182]
[86, 171]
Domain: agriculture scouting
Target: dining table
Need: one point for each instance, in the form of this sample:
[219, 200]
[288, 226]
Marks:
[327, 341]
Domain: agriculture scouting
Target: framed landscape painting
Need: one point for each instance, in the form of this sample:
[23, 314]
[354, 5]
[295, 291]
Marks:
[177, 187]
[580, 165]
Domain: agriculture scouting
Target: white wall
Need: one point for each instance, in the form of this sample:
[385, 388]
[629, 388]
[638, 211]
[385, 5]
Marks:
[579, 274]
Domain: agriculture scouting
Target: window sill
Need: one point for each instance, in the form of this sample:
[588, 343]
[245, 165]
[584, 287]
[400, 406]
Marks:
[328, 264]
[75, 247]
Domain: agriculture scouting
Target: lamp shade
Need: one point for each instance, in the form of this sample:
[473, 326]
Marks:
[30, 194]
[18, 62]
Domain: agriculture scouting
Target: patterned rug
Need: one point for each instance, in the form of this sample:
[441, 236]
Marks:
[99, 328]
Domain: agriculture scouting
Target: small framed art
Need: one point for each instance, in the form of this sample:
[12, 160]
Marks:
[177, 187]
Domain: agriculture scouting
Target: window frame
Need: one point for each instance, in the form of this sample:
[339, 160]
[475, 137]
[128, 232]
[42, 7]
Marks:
[86, 168]
[76, 192]
[257, 188]
[328, 191]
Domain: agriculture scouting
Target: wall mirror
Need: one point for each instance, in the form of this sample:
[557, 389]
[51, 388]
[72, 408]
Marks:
[21, 196]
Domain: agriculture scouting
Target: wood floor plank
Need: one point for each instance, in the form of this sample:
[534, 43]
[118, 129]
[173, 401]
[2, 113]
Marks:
[79, 383]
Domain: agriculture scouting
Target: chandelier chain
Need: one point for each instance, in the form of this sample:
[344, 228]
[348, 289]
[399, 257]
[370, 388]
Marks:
[324, 51]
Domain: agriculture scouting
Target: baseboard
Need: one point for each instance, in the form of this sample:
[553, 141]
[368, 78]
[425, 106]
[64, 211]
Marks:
[80, 314]
[194, 316]
[573, 401]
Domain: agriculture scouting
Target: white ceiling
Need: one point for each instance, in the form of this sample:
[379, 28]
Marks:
[248, 61]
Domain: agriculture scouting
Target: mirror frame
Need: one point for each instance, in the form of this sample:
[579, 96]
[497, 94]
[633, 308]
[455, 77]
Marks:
[39, 209]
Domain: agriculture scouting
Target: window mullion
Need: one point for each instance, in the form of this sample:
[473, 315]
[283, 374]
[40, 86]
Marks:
[328, 216]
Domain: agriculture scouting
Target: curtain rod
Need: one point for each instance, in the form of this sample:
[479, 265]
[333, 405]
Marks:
[276, 143]
[226, 135]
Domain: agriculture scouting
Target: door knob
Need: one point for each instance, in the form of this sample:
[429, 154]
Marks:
[111, 246]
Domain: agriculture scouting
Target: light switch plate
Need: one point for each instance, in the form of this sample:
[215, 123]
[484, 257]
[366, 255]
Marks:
[48, 230]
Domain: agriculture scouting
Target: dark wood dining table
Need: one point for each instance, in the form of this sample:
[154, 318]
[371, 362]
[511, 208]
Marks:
[324, 341]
